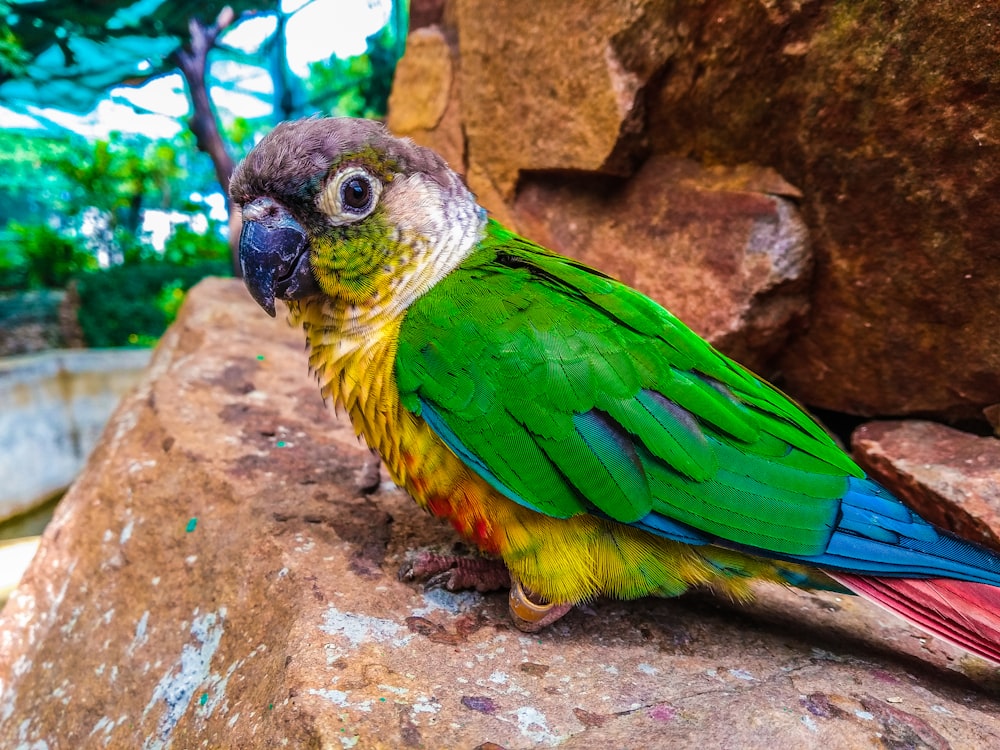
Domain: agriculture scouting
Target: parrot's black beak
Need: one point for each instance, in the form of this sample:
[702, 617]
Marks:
[274, 254]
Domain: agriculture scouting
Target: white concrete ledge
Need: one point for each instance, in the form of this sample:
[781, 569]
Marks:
[53, 407]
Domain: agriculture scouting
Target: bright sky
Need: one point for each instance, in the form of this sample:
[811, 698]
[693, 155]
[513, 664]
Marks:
[316, 30]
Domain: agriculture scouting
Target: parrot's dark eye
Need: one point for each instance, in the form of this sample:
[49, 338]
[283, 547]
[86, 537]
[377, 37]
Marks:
[356, 194]
[350, 195]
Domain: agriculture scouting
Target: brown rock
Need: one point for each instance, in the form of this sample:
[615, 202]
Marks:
[721, 248]
[422, 82]
[424, 104]
[545, 86]
[219, 577]
[884, 114]
[992, 414]
[425, 13]
[948, 476]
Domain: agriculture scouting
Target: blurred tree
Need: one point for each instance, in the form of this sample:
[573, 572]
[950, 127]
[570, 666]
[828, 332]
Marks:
[66, 54]
[43, 257]
[115, 177]
[192, 59]
[186, 247]
[66, 202]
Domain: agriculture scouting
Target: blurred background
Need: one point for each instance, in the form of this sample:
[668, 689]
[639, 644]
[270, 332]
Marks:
[120, 124]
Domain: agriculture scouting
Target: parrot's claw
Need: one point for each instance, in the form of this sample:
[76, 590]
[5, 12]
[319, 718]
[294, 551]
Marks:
[530, 615]
[529, 612]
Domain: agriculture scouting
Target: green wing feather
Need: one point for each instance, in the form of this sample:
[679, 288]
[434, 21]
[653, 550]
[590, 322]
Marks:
[573, 393]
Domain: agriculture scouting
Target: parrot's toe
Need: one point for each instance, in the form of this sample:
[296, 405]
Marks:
[454, 572]
[530, 615]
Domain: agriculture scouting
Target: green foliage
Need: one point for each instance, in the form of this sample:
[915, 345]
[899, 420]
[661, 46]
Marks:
[52, 183]
[119, 175]
[242, 133]
[187, 247]
[170, 298]
[40, 257]
[13, 59]
[184, 247]
[48, 176]
[13, 274]
[33, 189]
[131, 305]
[131, 248]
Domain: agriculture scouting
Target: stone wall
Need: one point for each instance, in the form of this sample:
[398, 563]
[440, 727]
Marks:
[39, 320]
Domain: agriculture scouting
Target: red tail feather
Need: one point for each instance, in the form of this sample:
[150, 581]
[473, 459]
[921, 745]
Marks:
[965, 614]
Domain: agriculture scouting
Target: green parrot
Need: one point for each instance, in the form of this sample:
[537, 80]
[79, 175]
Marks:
[561, 421]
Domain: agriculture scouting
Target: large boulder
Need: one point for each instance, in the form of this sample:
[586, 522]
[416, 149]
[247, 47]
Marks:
[223, 574]
[724, 248]
[884, 115]
[424, 104]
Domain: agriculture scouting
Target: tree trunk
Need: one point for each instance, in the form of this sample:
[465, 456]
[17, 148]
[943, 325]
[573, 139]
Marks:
[192, 60]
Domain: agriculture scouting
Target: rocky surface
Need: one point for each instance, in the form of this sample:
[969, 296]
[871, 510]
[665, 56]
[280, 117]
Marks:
[992, 413]
[951, 477]
[589, 69]
[423, 104]
[223, 574]
[882, 114]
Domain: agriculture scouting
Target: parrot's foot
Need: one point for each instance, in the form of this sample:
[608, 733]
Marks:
[530, 615]
[455, 572]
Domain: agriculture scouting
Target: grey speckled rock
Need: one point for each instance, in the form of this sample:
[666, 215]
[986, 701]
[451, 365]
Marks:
[223, 575]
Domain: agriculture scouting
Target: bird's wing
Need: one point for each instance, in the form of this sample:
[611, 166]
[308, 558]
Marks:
[572, 393]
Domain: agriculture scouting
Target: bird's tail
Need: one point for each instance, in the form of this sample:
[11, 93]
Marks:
[963, 613]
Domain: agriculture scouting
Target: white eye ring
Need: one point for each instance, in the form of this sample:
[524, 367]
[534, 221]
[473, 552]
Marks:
[350, 196]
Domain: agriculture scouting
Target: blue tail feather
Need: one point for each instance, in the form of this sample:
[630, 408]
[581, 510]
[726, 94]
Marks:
[878, 535]
[875, 534]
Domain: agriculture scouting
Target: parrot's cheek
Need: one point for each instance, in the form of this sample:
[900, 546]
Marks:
[274, 255]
